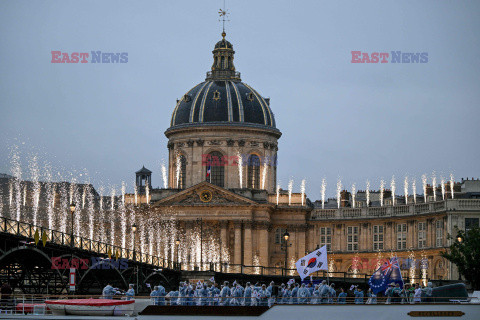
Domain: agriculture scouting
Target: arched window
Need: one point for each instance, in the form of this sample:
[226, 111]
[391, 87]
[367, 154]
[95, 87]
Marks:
[183, 172]
[215, 169]
[253, 180]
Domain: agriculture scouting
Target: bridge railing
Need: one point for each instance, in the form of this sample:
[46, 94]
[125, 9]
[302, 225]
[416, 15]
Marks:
[39, 233]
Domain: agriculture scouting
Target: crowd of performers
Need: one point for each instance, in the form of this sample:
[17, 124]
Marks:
[203, 294]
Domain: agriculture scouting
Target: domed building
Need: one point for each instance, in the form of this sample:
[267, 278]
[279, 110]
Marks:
[223, 144]
[220, 123]
[224, 212]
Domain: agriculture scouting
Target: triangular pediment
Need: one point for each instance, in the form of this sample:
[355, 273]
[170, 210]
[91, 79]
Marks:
[205, 193]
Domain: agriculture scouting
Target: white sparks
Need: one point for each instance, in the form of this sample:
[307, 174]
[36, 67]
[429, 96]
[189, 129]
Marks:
[339, 192]
[452, 183]
[382, 191]
[323, 190]
[405, 189]
[302, 190]
[367, 193]
[354, 193]
[290, 189]
[393, 187]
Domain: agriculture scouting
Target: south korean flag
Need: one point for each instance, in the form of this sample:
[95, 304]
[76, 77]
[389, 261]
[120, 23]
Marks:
[312, 262]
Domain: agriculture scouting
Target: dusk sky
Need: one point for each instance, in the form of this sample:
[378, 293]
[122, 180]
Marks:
[354, 121]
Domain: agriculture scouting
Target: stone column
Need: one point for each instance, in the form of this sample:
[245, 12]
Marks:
[301, 243]
[431, 233]
[263, 244]
[337, 238]
[389, 234]
[223, 240]
[343, 237]
[412, 234]
[293, 243]
[370, 237]
[237, 252]
[171, 162]
[247, 244]
[362, 245]
[311, 238]
[189, 225]
[190, 165]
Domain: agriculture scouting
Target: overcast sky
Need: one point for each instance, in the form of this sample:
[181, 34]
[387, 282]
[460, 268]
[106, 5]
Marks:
[338, 119]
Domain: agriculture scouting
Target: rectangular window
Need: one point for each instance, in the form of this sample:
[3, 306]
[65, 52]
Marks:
[326, 237]
[279, 239]
[401, 236]
[471, 223]
[439, 233]
[377, 237]
[422, 235]
[352, 238]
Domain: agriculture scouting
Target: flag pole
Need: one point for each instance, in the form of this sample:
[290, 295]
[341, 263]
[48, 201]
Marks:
[328, 275]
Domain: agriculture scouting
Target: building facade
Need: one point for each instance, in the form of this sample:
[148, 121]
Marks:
[222, 146]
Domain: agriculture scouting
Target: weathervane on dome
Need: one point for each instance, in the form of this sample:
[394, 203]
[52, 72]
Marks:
[223, 13]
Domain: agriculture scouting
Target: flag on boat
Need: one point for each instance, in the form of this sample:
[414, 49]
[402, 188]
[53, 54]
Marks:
[387, 273]
[212, 279]
[312, 262]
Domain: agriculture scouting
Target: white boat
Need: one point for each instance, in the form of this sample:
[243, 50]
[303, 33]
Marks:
[91, 307]
[322, 311]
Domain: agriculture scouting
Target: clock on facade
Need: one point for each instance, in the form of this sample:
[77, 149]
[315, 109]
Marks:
[206, 195]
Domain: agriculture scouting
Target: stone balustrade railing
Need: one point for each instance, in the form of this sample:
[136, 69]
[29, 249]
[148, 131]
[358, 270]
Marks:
[398, 210]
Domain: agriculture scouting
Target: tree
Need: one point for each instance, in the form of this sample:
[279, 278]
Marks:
[465, 254]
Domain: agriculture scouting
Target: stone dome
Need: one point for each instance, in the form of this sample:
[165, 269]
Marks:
[223, 98]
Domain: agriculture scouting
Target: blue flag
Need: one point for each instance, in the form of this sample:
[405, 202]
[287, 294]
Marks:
[387, 273]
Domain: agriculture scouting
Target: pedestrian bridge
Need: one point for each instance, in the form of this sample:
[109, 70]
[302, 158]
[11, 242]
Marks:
[37, 260]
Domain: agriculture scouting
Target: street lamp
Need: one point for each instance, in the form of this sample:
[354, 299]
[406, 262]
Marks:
[177, 243]
[286, 235]
[72, 211]
[459, 239]
[134, 229]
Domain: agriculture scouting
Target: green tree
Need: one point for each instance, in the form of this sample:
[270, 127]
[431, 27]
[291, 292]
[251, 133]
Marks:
[465, 254]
